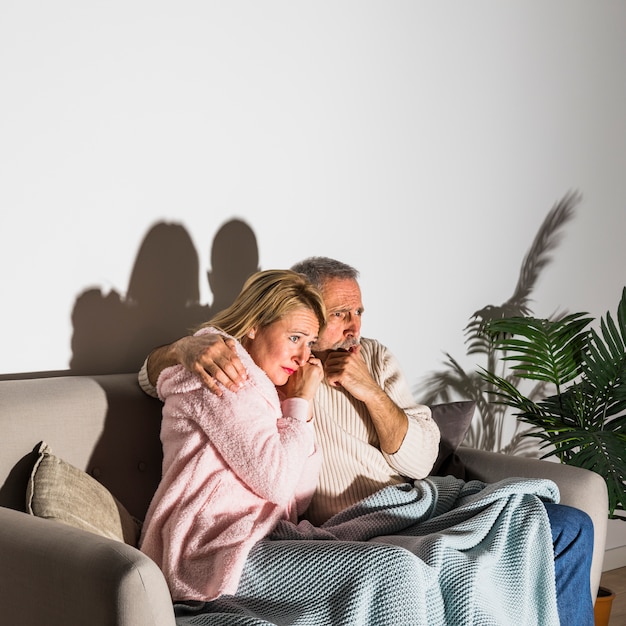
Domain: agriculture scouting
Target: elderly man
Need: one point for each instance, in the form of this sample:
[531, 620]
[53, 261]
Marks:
[371, 430]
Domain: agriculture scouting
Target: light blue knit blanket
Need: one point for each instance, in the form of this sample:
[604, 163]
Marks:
[437, 552]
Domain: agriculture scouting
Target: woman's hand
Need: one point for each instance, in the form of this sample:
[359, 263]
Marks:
[303, 383]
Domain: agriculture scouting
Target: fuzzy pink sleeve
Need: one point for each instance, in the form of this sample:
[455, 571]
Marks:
[265, 450]
[299, 408]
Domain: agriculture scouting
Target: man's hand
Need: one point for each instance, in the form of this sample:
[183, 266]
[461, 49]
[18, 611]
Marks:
[347, 369]
[212, 357]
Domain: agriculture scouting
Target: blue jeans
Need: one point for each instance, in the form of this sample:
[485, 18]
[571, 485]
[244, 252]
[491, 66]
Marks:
[572, 538]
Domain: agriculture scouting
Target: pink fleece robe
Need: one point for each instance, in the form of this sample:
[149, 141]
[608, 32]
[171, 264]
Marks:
[232, 467]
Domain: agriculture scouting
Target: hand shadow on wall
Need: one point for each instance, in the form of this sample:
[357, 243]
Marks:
[113, 333]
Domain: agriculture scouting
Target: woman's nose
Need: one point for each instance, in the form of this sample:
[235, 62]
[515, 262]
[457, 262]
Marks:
[303, 354]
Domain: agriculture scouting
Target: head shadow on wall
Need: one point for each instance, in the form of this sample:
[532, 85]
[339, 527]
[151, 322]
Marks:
[114, 332]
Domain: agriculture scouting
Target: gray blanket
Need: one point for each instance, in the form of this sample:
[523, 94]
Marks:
[437, 552]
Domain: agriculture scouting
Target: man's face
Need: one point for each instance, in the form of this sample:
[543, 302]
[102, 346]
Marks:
[344, 308]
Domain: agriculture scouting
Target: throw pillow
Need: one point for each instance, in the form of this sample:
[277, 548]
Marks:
[59, 491]
[453, 419]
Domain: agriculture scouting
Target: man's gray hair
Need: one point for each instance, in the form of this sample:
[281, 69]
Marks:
[318, 269]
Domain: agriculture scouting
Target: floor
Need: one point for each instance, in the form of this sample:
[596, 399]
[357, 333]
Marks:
[616, 581]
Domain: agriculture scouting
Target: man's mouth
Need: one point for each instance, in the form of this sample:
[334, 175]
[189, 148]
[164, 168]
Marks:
[347, 344]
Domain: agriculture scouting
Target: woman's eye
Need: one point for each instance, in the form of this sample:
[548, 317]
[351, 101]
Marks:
[294, 338]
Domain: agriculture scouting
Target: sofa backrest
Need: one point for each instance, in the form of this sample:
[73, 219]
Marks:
[105, 425]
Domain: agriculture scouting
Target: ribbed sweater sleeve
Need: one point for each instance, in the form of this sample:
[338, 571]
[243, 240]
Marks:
[144, 381]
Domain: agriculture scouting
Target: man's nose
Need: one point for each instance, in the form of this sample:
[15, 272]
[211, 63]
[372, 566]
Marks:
[353, 325]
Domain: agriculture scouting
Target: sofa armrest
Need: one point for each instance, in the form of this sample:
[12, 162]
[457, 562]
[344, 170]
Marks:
[58, 575]
[580, 488]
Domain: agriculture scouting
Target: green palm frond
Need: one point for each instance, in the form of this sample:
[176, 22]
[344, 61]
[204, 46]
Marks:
[550, 351]
[605, 364]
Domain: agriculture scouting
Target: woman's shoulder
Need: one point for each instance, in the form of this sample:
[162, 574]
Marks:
[176, 379]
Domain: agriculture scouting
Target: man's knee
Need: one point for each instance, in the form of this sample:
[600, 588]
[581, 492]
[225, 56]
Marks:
[569, 526]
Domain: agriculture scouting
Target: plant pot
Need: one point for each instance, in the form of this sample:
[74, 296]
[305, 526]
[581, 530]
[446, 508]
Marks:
[602, 607]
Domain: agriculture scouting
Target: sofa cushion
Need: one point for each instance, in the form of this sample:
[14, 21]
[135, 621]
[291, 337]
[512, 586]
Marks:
[59, 491]
[454, 420]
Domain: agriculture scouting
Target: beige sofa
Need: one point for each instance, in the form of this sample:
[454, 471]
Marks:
[58, 574]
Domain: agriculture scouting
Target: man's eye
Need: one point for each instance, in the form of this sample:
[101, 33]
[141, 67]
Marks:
[294, 338]
[338, 314]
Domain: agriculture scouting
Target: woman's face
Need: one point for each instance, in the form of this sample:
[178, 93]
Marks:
[285, 345]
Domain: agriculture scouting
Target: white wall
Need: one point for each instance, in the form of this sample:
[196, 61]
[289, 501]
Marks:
[422, 142]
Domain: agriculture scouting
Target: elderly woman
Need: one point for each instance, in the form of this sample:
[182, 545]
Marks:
[236, 463]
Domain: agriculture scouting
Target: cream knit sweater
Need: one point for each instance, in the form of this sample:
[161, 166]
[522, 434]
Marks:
[353, 465]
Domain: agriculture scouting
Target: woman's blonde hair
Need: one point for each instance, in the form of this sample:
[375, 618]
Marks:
[266, 297]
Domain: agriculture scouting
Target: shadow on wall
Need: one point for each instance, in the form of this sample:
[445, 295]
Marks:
[487, 431]
[113, 333]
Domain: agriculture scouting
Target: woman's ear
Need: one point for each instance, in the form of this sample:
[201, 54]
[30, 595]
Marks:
[248, 337]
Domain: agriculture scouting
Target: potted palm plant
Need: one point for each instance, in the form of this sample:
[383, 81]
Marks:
[582, 421]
